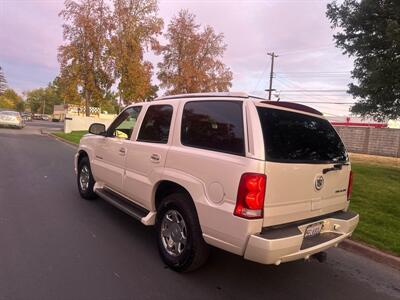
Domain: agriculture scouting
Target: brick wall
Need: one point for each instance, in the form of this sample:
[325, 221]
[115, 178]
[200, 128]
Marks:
[375, 141]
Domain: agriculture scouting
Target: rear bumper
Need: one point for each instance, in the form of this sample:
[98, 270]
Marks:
[277, 245]
[12, 123]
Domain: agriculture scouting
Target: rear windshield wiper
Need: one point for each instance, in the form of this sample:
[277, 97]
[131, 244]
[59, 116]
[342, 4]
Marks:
[336, 167]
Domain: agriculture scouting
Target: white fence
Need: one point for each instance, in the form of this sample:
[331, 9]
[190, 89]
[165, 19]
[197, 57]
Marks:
[79, 123]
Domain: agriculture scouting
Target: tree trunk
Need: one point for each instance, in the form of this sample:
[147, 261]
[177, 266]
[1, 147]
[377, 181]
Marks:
[87, 107]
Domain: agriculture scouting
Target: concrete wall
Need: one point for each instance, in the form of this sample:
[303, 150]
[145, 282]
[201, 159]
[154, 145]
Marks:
[367, 140]
[78, 123]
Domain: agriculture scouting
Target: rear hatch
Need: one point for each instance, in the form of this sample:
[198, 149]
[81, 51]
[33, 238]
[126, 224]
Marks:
[306, 165]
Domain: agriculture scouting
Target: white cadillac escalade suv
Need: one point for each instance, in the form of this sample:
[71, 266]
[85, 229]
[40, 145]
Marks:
[266, 180]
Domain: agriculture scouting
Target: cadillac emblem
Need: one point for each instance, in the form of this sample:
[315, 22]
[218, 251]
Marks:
[319, 182]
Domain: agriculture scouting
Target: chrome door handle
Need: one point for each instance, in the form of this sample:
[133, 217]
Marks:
[155, 158]
[122, 151]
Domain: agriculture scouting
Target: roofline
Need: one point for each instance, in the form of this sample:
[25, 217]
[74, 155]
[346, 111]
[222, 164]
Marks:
[213, 94]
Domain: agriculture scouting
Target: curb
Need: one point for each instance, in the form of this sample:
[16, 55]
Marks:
[60, 139]
[371, 253]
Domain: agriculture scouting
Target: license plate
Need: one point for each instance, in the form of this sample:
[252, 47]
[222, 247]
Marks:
[313, 229]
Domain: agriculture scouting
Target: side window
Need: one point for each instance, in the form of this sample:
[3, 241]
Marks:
[123, 126]
[156, 124]
[214, 125]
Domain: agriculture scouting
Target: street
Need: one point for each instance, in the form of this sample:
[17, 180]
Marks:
[55, 245]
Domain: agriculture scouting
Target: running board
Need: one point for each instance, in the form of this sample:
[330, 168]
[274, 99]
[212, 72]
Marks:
[122, 203]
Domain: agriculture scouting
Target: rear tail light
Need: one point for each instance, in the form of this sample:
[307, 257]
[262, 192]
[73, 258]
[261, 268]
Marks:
[350, 187]
[250, 196]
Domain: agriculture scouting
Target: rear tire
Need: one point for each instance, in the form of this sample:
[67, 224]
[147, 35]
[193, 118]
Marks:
[180, 240]
[85, 180]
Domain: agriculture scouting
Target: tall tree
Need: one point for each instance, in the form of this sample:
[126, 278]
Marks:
[370, 32]
[65, 86]
[3, 81]
[85, 59]
[192, 58]
[43, 99]
[135, 27]
[37, 100]
[11, 100]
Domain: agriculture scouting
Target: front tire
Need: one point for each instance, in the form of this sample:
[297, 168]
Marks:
[180, 240]
[85, 180]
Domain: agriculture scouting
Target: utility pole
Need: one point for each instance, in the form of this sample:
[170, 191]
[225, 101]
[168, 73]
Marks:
[271, 76]
[44, 105]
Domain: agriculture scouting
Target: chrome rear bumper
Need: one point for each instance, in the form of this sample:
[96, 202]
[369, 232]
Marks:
[277, 245]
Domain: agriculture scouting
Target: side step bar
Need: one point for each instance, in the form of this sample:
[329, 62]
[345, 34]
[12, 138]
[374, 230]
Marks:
[122, 203]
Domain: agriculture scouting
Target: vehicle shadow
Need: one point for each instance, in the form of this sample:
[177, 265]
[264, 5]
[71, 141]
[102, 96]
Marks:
[226, 275]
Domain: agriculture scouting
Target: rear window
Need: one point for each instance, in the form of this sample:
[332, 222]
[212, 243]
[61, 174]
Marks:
[297, 138]
[214, 125]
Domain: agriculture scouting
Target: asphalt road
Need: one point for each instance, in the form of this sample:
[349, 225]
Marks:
[54, 245]
[45, 124]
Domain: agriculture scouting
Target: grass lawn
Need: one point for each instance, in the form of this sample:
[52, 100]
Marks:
[74, 136]
[376, 197]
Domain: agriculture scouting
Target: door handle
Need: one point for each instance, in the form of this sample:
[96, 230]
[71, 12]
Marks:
[155, 158]
[122, 151]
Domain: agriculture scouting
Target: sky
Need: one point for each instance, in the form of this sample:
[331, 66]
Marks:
[309, 67]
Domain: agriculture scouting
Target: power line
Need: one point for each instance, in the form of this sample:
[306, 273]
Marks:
[313, 91]
[289, 85]
[320, 76]
[313, 72]
[330, 46]
[261, 77]
[293, 85]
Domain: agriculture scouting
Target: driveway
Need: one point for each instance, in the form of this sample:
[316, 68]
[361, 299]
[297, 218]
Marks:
[54, 245]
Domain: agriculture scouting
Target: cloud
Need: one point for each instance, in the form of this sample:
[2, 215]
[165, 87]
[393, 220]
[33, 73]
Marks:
[31, 32]
[297, 30]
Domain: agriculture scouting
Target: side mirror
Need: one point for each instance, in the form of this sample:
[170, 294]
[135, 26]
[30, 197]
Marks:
[97, 128]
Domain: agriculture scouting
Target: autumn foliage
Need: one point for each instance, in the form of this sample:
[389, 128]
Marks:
[105, 48]
[192, 58]
[3, 82]
[134, 30]
[84, 59]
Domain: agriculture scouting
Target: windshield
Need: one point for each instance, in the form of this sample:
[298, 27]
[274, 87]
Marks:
[298, 138]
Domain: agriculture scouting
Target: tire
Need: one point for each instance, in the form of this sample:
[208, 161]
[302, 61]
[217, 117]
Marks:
[85, 187]
[194, 253]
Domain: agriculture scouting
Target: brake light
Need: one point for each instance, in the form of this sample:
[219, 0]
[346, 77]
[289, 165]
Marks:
[250, 196]
[350, 187]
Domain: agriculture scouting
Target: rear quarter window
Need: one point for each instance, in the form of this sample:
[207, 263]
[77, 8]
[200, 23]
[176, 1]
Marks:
[214, 125]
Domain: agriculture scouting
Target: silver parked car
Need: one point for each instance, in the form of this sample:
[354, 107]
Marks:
[11, 118]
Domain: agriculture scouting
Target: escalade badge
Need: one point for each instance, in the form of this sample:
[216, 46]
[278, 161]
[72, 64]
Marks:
[319, 182]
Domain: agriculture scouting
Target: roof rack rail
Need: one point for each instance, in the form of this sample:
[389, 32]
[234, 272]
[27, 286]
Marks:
[200, 95]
